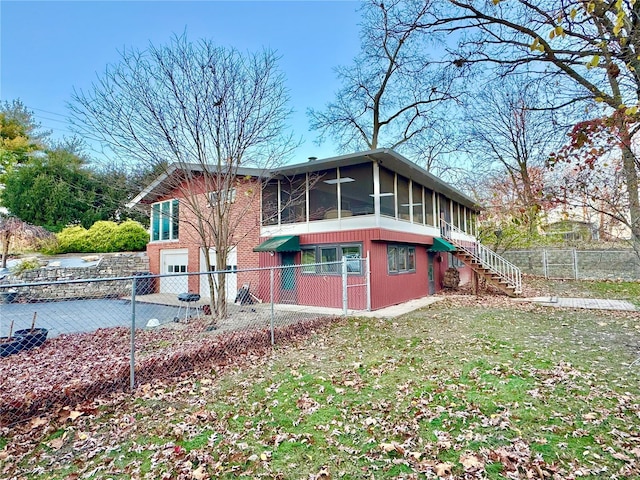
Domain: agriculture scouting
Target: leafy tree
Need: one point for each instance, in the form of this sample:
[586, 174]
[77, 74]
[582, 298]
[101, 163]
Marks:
[590, 171]
[392, 93]
[584, 50]
[19, 135]
[57, 188]
[198, 113]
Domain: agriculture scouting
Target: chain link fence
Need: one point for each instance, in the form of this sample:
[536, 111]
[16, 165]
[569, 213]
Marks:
[67, 342]
[573, 264]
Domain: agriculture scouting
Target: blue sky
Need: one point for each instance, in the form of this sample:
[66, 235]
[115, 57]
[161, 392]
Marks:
[49, 47]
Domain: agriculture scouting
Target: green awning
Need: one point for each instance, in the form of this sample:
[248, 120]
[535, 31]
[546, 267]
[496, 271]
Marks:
[286, 243]
[440, 245]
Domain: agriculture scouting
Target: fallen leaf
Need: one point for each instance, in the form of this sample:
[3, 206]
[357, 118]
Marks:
[56, 443]
[443, 469]
[38, 422]
[75, 414]
[323, 474]
[200, 473]
[471, 462]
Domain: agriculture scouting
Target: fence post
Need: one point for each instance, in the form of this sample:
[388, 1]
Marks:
[271, 275]
[345, 299]
[368, 279]
[575, 264]
[544, 263]
[132, 364]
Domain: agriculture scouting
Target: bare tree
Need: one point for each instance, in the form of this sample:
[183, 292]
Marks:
[510, 133]
[584, 50]
[201, 114]
[392, 94]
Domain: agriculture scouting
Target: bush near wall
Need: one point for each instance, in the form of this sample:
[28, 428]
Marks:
[102, 237]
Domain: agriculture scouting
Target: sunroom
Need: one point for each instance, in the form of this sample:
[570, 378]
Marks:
[379, 189]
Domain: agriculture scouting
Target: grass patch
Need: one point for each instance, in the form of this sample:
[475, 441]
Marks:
[492, 392]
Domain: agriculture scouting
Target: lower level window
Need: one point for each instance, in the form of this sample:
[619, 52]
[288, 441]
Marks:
[401, 259]
[328, 258]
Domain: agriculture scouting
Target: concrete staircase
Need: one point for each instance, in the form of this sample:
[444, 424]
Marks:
[486, 263]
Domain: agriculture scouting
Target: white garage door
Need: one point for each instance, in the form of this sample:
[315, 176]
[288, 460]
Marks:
[172, 262]
[231, 279]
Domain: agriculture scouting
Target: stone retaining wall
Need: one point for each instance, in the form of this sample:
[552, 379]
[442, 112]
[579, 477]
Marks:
[109, 266]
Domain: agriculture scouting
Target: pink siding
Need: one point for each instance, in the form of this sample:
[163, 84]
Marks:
[386, 289]
[390, 289]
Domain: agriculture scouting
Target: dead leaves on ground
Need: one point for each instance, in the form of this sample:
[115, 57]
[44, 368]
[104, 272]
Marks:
[373, 399]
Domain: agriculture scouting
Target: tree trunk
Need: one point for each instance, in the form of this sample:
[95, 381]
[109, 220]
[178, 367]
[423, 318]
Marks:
[6, 238]
[631, 180]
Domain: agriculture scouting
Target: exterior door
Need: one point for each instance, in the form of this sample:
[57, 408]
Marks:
[231, 280]
[174, 261]
[288, 278]
[431, 275]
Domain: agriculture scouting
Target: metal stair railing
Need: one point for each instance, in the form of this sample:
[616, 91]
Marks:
[486, 257]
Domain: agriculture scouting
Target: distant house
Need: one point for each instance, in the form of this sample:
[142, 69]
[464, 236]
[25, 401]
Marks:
[569, 222]
[377, 204]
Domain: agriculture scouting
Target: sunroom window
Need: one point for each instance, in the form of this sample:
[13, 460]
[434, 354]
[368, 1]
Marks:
[165, 220]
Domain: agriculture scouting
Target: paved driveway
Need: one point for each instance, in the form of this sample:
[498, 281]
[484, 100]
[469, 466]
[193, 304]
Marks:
[80, 315]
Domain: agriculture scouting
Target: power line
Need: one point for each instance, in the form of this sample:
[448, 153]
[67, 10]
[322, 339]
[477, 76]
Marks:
[49, 112]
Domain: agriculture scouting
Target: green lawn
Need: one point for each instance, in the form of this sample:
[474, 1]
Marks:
[476, 391]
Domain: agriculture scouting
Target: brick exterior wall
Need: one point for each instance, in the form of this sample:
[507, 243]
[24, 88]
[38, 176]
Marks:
[246, 227]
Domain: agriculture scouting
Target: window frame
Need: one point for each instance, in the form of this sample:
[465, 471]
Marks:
[397, 265]
[316, 268]
[214, 196]
[165, 214]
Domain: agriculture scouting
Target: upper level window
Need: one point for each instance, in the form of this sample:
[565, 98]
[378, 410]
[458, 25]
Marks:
[165, 220]
[270, 203]
[214, 197]
[387, 192]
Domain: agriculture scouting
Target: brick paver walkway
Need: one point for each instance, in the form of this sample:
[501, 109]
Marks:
[591, 303]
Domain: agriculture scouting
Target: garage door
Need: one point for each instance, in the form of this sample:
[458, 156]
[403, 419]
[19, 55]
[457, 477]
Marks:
[173, 262]
[231, 280]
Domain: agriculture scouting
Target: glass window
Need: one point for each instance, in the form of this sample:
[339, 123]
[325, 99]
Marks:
[352, 252]
[328, 254]
[445, 209]
[456, 215]
[428, 207]
[392, 258]
[270, 203]
[387, 193]
[411, 258]
[214, 197]
[401, 259]
[416, 202]
[323, 195]
[332, 253]
[165, 220]
[293, 199]
[175, 224]
[155, 222]
[403, 198]
[309, 258]
[356, 190]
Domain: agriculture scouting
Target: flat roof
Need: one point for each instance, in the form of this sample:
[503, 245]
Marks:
[383, 156]
[389, 159]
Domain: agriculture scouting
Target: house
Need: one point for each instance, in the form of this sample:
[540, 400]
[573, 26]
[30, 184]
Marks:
[376, 204]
